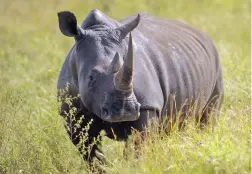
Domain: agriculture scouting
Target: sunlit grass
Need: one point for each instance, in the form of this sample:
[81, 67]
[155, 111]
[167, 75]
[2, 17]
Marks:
[32, 51]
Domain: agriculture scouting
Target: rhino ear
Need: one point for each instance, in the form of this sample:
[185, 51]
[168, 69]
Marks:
[128, 27]
[68, 24]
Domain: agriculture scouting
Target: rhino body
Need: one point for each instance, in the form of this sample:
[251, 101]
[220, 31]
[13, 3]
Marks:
[124, 70]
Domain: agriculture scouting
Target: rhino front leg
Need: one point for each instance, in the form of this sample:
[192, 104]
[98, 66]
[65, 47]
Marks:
[84, 132]
[143, 127]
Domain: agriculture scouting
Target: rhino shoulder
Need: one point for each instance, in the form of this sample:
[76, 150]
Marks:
[66, 79]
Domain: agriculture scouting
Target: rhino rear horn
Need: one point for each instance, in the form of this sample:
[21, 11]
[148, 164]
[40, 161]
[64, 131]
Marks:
[126, 28]
[115, 65]
[68, 24]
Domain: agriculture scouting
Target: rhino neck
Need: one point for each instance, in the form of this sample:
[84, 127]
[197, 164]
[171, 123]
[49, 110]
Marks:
[99, 27]
[97, 17]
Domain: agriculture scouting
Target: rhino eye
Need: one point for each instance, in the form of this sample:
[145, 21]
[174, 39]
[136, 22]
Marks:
[90, 78]
[91, 81]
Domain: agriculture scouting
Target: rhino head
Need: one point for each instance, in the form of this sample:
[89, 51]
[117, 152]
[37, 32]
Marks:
[102, 66]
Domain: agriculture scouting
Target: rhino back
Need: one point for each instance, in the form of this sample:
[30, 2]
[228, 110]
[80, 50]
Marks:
[173, 58]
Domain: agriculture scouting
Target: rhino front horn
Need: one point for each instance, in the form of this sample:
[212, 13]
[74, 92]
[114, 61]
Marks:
[124, 77]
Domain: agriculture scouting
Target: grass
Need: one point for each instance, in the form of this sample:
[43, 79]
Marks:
[32, 50]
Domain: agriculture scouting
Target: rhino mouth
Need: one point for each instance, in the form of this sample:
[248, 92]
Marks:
[118, 118]
[122, 115]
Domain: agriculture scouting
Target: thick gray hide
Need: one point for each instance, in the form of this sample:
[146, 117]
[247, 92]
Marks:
[170, 57]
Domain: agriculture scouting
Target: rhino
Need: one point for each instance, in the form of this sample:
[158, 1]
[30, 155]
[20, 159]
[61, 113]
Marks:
[123, 74]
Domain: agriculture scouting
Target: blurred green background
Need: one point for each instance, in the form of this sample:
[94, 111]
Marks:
[32, 51]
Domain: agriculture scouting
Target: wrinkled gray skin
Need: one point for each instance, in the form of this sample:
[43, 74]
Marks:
[120, 83]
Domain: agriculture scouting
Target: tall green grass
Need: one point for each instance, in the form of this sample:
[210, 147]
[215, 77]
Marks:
[32, 50]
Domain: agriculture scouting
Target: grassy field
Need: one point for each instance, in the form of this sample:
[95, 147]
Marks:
[32, 50]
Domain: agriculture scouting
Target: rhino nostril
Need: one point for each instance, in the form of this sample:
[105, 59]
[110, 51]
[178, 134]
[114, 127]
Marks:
[105, 111]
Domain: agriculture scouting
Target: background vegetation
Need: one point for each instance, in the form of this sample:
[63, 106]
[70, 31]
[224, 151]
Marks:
[32, 50]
